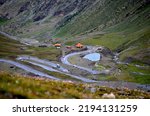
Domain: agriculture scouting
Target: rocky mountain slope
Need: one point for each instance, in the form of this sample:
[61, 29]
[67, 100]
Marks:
[34, 18]
[40, 19]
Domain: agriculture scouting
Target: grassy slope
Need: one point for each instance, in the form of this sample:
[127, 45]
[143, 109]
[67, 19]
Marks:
[50, 53]
[111, 40]
[15, 86]
[9, 47]
[12, 48]
[2, 21]
[104, 14]
[131, 73]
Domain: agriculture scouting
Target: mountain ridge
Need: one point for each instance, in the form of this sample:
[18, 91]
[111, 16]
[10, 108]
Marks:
[62, 18]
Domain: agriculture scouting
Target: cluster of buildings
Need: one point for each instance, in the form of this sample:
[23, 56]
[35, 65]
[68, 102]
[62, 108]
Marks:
[78, 45]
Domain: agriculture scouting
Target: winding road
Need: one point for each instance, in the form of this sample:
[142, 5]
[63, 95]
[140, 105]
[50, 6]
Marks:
[51, 67]
[28, 69]
[112, 84]
[64, 60]
[42, 61]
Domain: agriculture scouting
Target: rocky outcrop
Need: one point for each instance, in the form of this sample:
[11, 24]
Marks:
[3, 1]
[24, 7]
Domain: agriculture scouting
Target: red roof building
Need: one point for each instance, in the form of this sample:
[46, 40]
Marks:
[79, 45]
[57, 45]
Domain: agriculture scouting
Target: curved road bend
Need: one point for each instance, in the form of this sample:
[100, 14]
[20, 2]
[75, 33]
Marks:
[64, 60]
[100, 83]
[29, 69]
[73, 76]
[44, 65]
[42, 61]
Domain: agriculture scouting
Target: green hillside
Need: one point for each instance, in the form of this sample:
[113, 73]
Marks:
[16, 86]
[9, 47]
[119, 15]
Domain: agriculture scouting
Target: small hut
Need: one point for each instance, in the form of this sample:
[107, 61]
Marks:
[57, 45]
[79, 45]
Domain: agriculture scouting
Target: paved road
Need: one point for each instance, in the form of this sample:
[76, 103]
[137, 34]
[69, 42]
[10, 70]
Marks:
[119, 84]
[28, 69]
[52, 67]
[64, 60]
[42, 61]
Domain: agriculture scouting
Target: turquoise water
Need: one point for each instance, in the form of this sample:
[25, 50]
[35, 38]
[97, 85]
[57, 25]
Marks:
[93, 56]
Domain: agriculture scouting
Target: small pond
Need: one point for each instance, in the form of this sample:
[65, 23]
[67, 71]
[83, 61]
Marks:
[93, 56]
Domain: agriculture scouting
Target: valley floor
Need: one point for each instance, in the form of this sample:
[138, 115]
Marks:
[48, 62]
